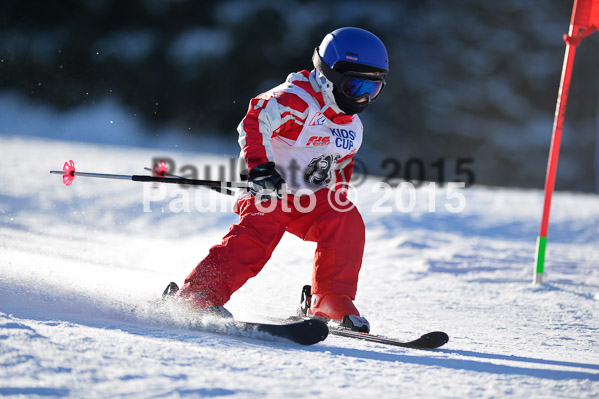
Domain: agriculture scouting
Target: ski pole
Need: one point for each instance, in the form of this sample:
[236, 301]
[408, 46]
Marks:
[69, 173]
[162, 170]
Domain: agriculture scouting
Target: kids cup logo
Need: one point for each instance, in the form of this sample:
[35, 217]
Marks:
[343, 138]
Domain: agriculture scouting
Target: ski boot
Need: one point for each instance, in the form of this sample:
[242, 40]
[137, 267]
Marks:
[195, 300]
[337, 307]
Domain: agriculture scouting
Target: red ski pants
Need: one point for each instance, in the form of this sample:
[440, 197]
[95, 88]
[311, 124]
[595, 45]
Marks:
[334, 224]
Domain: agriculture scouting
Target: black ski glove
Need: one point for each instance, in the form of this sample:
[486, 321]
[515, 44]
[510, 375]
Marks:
[265, 182]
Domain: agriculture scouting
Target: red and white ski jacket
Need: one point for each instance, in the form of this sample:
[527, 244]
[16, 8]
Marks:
[298, 126]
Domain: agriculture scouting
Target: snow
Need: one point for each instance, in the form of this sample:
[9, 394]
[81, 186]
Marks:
[80, 266]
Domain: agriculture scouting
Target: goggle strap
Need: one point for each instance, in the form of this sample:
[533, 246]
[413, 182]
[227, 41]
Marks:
[329, 73]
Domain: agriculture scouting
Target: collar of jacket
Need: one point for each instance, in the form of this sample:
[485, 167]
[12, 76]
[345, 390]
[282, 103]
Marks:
[321, 89]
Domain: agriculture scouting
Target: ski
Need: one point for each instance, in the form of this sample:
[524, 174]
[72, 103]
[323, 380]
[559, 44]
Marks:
[347, 328]
[431, 340]
[305, 332]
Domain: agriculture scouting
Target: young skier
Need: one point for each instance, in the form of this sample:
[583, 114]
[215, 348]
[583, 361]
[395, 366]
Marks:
[298, 141]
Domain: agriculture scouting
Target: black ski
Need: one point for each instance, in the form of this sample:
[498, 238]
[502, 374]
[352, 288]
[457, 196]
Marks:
[305, 332]
[431, 340]
[346, 328]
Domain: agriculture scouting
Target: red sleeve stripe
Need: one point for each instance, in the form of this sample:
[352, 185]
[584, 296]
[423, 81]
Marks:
[254, 133]
[268, 116]
[294, 112]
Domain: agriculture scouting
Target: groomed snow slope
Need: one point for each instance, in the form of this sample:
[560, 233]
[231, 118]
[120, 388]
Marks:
[79, 266]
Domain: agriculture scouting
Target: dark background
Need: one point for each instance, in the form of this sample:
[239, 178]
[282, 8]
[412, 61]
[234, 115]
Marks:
[472, 82]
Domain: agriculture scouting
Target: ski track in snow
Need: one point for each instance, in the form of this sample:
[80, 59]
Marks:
[80, 265]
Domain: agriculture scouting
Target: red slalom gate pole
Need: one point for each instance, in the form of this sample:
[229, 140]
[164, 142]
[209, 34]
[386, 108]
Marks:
[581, 25]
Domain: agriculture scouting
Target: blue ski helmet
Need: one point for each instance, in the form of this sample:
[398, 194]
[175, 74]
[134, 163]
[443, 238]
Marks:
[356, 62]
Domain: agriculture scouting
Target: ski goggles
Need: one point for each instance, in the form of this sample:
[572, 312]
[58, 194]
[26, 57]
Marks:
[356, 87]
